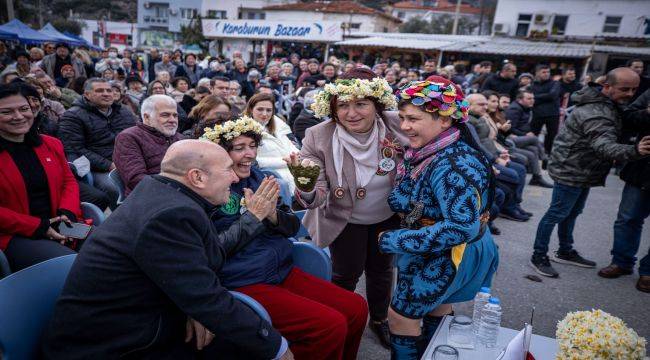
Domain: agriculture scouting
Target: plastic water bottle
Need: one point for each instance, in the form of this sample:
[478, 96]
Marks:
[480, 300]
[490, 323]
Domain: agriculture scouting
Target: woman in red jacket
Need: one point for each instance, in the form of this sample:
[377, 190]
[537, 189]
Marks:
[37, 188]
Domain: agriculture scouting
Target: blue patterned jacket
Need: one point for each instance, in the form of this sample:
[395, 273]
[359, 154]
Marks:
[449, 191]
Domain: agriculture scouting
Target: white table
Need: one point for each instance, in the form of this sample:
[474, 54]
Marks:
[543, 348]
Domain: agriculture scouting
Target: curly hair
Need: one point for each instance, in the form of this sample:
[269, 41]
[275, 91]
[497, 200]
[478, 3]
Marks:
[227, 144]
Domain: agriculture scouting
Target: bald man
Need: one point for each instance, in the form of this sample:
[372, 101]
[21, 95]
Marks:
[145, 285]
[582, 155]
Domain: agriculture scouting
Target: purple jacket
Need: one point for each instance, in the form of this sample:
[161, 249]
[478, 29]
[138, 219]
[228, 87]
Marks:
[138, 152]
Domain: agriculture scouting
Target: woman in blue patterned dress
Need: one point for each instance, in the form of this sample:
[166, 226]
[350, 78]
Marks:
[443, 195]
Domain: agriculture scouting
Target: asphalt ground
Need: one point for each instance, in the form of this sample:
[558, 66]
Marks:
[575, 289]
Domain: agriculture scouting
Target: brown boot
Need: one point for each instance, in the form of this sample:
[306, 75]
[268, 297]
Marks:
[644, 283]
[613, 271]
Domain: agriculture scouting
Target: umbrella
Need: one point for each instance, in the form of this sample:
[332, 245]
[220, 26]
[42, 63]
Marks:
[25, 34]
[51, 31]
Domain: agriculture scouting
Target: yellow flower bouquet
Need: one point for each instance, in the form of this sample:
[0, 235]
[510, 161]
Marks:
[597, 335]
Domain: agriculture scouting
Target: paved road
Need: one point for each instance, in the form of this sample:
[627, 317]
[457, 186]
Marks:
[576, 289]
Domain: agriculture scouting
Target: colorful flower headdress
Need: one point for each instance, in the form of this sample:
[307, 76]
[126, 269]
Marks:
[436, 96]
[231, 129]
[349, 89]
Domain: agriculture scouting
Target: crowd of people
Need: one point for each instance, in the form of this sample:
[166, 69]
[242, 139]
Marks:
[386, 160]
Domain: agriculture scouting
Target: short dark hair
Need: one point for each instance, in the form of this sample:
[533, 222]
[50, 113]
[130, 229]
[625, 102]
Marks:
[567, 69]
[632, 61]
[218, 78]
[430, 60]
[539, 67]
[181, 78]
[488, 93]
[522, 93]
[460, 68]
[486, 63]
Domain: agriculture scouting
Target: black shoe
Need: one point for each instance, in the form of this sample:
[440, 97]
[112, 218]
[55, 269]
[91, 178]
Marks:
[573, 258]
[493, 229]
[527, 213]
[538, 180]
[514, 216]
[544, 164]
[543, 267]
[380, 328]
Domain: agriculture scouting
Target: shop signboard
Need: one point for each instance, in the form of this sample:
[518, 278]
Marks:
[323, 31]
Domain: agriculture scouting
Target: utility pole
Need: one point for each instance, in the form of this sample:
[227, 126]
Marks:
[10, 10]
[454, 29]
[39, 5]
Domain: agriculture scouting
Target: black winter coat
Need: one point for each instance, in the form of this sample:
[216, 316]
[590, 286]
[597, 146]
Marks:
[637, 120]
[519, 118]
[86, 131]
[547, 98]
[304, 121]
[501, 85]
[152, 264]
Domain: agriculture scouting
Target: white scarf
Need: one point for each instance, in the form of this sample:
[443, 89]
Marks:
[365, 155]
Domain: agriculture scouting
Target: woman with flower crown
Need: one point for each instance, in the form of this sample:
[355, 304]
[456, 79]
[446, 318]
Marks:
[318, 319]
[443, 195]
[343, 174]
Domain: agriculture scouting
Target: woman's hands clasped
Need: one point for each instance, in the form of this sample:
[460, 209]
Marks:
[262, 203]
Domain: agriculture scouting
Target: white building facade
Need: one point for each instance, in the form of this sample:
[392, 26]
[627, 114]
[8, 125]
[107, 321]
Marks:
[120, 35]
[160, 21]
[573, 19]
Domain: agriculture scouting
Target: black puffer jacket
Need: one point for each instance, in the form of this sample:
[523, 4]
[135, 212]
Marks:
[84, 130]
[304, 121]
[636, 119]
[547, 98]
[588, 143]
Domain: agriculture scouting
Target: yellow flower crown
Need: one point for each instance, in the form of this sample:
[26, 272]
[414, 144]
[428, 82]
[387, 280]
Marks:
[231, 129]
[349, 89]
[586, 335]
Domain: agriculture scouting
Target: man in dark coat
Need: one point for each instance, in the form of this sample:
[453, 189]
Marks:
[146, 282]
[504, 82]
[635, 202]
[89, 129]
[547, 105]
[306, 117]
[582, 156]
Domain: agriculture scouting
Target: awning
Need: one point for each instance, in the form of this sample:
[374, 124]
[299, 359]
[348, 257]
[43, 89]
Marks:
[84, 41]
[51, 31]
[25, 34]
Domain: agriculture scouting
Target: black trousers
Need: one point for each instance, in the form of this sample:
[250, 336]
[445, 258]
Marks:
[24, 252]
[356, 250]
[552, 126]
[93, 195]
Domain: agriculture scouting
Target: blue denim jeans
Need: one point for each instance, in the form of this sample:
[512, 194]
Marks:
[567, 203]
[634, 208]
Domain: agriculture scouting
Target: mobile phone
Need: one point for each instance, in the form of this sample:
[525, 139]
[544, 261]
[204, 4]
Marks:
[78, 231]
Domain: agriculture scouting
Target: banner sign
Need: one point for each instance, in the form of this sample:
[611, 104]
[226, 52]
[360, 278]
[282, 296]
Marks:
[326, 31]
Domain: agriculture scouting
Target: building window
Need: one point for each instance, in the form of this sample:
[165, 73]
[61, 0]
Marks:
[523, 23]
[355, 26]
[430, 3]
[559, 24]
[612, 23]
[160, 12]
[253, 15]
[187, 13]
[216, 14]
[401, 14]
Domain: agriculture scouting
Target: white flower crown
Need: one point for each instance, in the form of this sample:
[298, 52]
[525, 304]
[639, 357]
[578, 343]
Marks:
[231, 129]
[349, 89]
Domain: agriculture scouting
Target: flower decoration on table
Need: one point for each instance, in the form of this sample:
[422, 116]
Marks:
[349, 89]
[596, 335]
[231, 129]
[445, 99]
